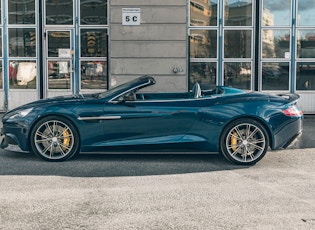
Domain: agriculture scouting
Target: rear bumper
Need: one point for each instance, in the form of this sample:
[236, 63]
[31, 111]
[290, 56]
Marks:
[293, 140]
[288, 134]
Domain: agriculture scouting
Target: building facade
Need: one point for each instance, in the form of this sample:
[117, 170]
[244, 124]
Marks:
[58, 47]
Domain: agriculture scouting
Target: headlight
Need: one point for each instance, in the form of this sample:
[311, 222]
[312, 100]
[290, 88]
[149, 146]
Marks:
[18, 114]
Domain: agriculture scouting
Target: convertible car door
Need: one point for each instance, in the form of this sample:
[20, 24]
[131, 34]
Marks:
[147, 122]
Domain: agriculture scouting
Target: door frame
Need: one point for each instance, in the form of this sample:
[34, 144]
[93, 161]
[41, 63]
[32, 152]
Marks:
[73, 78]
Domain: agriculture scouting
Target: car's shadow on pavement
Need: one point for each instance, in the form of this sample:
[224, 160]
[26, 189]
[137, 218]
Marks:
[111, 165]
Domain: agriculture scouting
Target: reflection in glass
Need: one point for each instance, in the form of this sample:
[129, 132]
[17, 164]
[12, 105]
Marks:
[1, 75]
[22, 42]
[0, 13]
[238, 13]
[205, 73]
[22, 74]
[203, 43]
[275, 76]
[276, 43]
[59, 75]
[57, 40]
[21, 12]
[238, 74]
[59, 12]
[0, 43]
[305, 75]
[203, 12]
[276, 13]
[237, 43]
[306, 44]
[93, 75]
[93, 43]
[93, 12]
[306, 9]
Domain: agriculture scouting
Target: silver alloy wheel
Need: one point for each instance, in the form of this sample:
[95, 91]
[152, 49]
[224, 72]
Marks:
[54, 140]
[246, 142]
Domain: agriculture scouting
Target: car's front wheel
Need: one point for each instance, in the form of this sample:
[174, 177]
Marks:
[244, 141]
[54, 139]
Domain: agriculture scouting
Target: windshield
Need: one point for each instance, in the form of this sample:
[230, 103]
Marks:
[124, 87]
[113, 91]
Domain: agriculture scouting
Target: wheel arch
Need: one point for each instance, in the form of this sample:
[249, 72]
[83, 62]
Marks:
[57, 116]
[255, 118]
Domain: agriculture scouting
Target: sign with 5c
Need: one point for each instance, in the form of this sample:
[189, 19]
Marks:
[131, 16]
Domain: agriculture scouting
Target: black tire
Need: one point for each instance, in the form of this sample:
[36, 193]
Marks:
[244, 141]
[54, 139]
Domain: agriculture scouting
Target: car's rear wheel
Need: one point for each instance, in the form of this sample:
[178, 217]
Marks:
[244, 141]
[54, 139]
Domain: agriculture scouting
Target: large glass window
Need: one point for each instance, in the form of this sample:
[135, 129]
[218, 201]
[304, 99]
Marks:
[59, 71]
[203, 13]
[228, 40]
[93, 42]
[22, 42]
[238, 74]
[93, 58]
[203, 43]
[306, 44]
[59, 75]
[21, 11]
[306, 16]
[0, 42]
[276, 43]
[58, 40]
[275, 75]
[93, 12]
[238, 13]
[205, 73]
[237, 43]
[1, 75]
[59, 12]
[93, 74]
[276, 13]
[22, 74]
[305, 77]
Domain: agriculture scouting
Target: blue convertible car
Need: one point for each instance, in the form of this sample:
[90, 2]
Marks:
[240, 125]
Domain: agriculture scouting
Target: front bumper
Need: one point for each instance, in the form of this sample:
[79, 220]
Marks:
[8, 143]
[11, 147]
[14, 139]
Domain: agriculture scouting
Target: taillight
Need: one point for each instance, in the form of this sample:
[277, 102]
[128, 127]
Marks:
[293, 111]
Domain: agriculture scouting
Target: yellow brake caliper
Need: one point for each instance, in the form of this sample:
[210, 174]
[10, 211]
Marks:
[234, 141]
[66, 138]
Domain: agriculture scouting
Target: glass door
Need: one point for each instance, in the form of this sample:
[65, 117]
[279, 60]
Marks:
[59, 62]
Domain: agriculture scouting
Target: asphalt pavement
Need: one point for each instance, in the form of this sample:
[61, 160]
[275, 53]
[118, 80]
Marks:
[307, 140]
